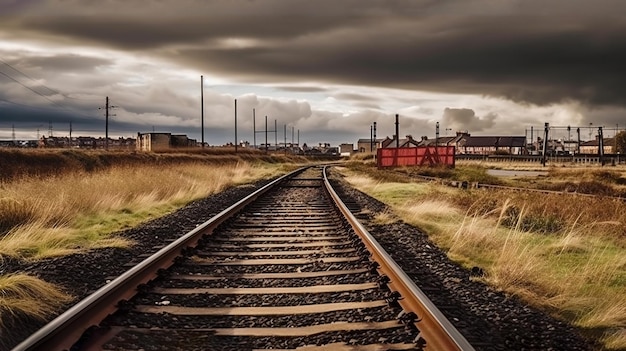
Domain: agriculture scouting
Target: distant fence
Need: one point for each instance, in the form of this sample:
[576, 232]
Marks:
[416, 156]
[578, 158]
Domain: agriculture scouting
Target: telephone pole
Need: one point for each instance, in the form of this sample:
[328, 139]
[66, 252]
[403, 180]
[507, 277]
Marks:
[202, 107]
[107, 107]
[106, 133]
[254, 127]
[275, 135]
[236, 142]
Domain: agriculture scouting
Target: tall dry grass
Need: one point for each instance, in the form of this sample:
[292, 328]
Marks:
[20, 294]
[561, 253]
[78, 211]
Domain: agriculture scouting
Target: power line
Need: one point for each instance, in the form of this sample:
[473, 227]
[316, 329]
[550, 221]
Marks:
[29, 88]
[69, 109]
[43, 85]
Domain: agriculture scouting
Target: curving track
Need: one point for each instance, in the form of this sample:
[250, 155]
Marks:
[287, 272]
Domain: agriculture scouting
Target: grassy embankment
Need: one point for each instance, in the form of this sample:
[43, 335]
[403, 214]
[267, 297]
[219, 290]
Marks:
[564, 254]
[60, 202]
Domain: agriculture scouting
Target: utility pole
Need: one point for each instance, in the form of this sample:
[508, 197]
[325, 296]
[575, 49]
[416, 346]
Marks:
[601, 146]
[202, 108]
[275, 135]
[265, 134]
[298, 138]
[107, 107]
[375, 143]
[397, 131]
[236, 140]
[291, 136]
[106, 130]
[545, 143]
[578, 144]
[285, 136]
[371, 138]
[615, 139]
[437, 141]
[49, 129]
[569, 134]
[254, 127]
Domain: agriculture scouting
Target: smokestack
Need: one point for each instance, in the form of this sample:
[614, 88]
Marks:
[397, 132]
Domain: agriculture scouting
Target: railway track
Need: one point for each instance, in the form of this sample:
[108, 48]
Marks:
[287, 268]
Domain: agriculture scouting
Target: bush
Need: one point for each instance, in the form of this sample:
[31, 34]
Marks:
[514, 218]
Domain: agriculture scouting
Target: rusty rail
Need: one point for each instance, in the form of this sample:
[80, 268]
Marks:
[64, 330]
[434, 327]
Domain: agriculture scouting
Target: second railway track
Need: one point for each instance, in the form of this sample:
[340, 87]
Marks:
[288, 272]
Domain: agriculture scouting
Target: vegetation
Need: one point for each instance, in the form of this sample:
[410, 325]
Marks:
[605, 181]
[562, 254]
[80, 210]
[71, 201]
[45, 163]
[21, 294]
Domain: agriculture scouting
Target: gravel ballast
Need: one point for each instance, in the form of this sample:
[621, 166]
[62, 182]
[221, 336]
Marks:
[489, 319]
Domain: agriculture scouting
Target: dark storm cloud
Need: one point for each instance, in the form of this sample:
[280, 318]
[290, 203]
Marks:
[538, 52]
[11, 6]
[33, 117]
[466, 119]
[515, 58]
[355, 97]
[297, 89]
[66, 62]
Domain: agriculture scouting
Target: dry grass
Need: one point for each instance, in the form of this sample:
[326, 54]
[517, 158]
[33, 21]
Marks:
[25, 295]
[385, 218]
[78, 211]
[615, 341]
[563, 254]
[72, 211]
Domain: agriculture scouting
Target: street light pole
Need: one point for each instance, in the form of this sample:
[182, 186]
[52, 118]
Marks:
[202, 108]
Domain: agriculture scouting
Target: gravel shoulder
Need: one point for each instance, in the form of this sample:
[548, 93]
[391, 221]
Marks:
[489, 319]
[82, 274]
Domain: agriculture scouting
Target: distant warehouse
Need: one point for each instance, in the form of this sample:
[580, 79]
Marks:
[163, 141]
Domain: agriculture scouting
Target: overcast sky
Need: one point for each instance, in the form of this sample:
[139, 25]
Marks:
[328, 68]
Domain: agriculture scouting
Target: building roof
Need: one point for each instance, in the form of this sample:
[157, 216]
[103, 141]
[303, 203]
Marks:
[495, 141]
[363, 141]
[439, 141]
[606, 142]
[406, 142]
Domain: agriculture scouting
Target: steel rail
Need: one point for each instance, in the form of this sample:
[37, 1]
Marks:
[434, 327]
[63, 331]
